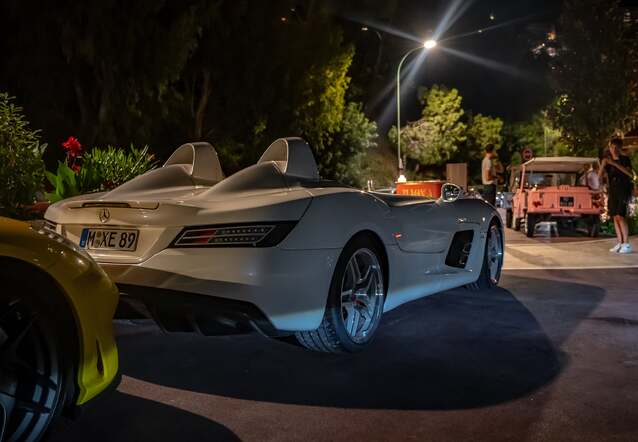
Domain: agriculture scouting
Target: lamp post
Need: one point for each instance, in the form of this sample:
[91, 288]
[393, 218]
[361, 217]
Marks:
[377, 62]
[429, 44]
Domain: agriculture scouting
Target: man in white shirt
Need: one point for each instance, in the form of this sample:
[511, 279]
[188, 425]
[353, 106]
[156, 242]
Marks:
[591, 177]
[488, 176]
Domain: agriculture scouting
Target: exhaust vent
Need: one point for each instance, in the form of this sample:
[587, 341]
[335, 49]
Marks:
[460, 249]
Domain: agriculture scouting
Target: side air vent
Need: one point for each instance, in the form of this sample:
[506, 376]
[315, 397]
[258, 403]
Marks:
[460, 249]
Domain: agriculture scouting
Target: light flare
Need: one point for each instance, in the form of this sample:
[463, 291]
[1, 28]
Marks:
[488, 63]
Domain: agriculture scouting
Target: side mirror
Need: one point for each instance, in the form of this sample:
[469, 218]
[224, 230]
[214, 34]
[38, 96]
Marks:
[450, 192]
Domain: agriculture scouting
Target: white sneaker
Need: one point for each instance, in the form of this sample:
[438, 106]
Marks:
[616, 248]
[626, 248]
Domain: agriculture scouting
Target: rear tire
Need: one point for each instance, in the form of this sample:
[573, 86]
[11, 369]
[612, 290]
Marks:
[355, 301]
[492, 259]
[35, 365]
[530, 224]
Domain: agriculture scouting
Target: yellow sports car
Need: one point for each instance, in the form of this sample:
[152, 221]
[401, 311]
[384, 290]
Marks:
[57, 350]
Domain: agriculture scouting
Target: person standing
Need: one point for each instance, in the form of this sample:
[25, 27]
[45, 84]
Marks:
[590, 178]
[488, 175]
[620, 184]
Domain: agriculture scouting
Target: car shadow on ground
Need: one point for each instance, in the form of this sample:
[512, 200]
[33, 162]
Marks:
[121, 417]
[456, 350]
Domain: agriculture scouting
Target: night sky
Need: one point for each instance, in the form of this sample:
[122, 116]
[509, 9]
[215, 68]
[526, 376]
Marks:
[511, 95]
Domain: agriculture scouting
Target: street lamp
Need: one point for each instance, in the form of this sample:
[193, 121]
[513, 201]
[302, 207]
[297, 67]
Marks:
[427, 45]
[377, 63]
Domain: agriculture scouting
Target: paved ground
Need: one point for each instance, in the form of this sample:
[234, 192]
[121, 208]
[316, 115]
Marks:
[552, 355]
[571, 250]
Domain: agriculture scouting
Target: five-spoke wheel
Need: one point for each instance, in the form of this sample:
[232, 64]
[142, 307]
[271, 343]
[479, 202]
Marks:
[32, 374]
[361, 295]
[355, 301]
[492, 259]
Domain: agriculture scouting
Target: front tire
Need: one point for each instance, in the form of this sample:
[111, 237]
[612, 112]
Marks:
[492, 259]
[355, 301]
[34, 367]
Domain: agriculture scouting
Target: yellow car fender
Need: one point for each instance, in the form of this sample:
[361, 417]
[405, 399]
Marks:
[91, 296]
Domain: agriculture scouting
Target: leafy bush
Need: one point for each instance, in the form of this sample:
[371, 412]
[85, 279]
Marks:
[64, 183]
[96, 170]
[21, 165]
[104, 169]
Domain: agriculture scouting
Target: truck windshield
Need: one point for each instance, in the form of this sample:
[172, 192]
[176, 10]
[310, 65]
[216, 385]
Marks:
[550, 179]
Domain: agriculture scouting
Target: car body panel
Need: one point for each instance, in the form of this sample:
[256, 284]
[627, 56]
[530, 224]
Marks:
[88, 291]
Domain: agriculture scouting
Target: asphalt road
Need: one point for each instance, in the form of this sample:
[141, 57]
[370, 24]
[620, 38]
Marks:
[551, 355]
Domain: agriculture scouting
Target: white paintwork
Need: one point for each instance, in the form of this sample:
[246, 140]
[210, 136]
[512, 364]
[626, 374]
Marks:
[293, 156]
[288, 282]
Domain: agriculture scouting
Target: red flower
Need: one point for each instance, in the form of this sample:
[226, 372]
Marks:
[76, 168]
[73, 147]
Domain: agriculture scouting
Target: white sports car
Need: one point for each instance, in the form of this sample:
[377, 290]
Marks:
[276, 249]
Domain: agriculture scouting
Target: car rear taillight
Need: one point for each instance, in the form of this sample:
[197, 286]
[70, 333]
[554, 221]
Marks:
[237, 235]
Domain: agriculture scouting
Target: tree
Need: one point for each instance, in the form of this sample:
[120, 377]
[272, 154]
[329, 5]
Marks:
[484, 130]
[264, 70]
[101, 71]
[595, 66]
[481, 131]
[322, 101]
[538, 134]
[437, 136]
[350, 148]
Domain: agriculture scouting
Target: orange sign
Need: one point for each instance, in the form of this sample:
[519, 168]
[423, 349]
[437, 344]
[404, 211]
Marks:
[426, 189]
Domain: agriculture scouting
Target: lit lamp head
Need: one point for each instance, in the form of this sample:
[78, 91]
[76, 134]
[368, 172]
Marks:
[429, 44]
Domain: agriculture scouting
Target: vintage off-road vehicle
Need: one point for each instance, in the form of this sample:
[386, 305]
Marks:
[549, 188]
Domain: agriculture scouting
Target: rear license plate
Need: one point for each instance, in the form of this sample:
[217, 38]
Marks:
[109, 239]
[567, 201]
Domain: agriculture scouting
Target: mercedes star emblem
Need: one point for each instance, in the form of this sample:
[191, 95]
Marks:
[105, 215]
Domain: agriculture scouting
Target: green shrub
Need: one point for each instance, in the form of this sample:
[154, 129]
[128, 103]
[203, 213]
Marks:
[97, 170]
[104, 169]
[21, 165]
[64, 183]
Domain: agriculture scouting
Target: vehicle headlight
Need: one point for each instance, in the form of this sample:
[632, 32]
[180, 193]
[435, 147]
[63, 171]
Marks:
[237, 235]
[47, 229]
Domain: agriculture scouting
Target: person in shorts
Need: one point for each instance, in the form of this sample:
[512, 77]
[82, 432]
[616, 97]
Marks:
[620, 176]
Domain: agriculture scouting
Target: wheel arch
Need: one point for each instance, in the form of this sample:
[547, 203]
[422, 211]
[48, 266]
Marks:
[498, 220]
[376, 239]
[11, 266]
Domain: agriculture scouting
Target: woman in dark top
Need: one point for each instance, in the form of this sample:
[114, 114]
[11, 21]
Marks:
[620, 178]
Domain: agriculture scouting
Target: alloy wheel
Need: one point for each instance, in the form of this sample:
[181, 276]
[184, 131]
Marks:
[30, 376]
[494, 253]
[362, 295]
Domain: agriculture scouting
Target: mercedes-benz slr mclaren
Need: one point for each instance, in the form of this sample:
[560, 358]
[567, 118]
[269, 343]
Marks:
[276, 249]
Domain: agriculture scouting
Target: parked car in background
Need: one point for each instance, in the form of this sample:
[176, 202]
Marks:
[504, 199]
[57, 350]
[548, 188]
